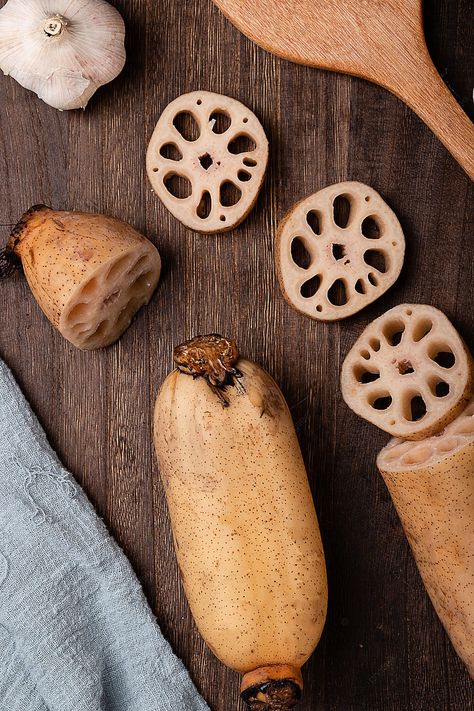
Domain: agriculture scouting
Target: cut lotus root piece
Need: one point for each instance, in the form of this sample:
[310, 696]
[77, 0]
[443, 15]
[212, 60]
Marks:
[207, 159]
[409, 373]
[338, 250]
[432, 487]
[400, 455]
[103, 307]
[89, 273]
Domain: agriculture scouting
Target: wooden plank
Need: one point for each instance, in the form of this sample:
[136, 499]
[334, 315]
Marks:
[379, 41]
[383, 647]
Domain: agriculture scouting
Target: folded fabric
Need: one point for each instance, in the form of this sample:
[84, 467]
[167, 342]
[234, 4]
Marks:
[76, 633]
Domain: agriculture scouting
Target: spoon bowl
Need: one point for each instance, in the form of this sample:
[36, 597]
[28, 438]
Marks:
[379, 40]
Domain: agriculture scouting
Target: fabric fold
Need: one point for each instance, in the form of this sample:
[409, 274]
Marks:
[75, 628]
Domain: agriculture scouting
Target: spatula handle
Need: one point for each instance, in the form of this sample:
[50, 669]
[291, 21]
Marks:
[427, 94]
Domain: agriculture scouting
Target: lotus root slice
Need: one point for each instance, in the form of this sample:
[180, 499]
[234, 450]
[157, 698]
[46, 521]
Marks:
[400, 455]
[338, 250]
[102, 307]
[206, 160]
[409, 373]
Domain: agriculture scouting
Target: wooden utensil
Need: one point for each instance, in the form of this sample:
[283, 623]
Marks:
[379, 40]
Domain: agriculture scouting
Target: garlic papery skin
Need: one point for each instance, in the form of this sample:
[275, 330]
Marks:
[63, 50]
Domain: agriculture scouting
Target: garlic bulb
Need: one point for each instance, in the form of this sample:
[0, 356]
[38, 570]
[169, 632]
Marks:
[63, 50]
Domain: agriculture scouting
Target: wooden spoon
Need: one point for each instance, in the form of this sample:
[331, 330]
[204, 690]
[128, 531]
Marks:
[379, 40]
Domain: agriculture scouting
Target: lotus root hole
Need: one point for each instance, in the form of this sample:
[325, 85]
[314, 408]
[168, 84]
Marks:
[374, 343]
[229, 194]
[414, 408]
[417, 455]
[338, 251]
[381, 401]
[443, 356]
[206, 161]
[89, 288]
[128, 311]
[447, 444]
[98, 333]
[393, 332]
[310, 287]
[314, 220]
[439, 388]
[221, 121]
[187, 126]
[370, 228]
[364, 376]
[170, 151]
[137, 265]
[299, 254]
[360, 287]
[337, 293]
[80, 328]
[78, 312]
[405, 367]
[243, 143]
[421, 329]
[342, 210]
[392, 455]
[117, 267]
[399, 449]
[464, 426]
[178, 186]
[141, 284]
[249, 162]
[375, 258]
[204, 208]
[244, 176]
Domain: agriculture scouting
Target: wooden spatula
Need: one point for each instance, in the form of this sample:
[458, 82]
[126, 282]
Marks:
[379, 40]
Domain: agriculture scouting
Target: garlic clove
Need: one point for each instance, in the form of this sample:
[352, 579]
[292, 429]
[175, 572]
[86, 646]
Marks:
[63, 50]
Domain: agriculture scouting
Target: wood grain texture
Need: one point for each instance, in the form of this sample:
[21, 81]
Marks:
[383, 648]
[379, 40]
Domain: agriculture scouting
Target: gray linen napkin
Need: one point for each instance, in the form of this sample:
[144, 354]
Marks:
[76, 633]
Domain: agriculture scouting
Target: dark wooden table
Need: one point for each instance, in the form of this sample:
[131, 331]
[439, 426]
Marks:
[383, 648]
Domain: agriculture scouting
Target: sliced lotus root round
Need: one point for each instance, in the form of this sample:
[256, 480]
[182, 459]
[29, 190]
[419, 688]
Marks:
[207, 159]
[338, 250]
[102, 307]
[409, 373]
[400, 455]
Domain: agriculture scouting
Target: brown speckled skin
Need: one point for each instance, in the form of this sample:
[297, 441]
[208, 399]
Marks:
[245, 528]
[62, 251]
[436, 508]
